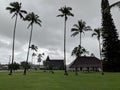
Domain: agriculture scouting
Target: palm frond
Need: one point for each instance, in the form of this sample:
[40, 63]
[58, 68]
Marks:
[23, 11]
[14, 15]
[70, 14]
[74, 34]
[39, 23]
[8, 8]
[38, 20]
[29, 25]
[21, 16]
[74, 29]
[94, 34]
[87, 28]
[75, 25]
[61, 15]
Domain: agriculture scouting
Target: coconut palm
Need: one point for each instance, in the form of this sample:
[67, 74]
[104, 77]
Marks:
[79, 29]
[97, 32]
[33, 47]
[65, 12]
[33, 19]
[15, 9]
[40, 56]
[78, 51]
[33, 55]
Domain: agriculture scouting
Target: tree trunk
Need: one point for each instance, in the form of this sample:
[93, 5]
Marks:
[11, 69]
[65, 47]
[80, 40]
[76, 71]
[28, 49]
[101, 57]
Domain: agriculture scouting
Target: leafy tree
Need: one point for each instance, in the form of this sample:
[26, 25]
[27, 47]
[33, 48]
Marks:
[97, 33]
[79, 29]
[65, 12]
[25, 65]
[110, 48]
[78, 51]
[14, 66]
[15, 9]
[33, 19]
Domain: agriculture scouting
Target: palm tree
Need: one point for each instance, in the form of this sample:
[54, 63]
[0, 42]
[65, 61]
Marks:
[40, 56]
[65, 12]
[79, 29]
[33, 48]
[97, 32]
[33, 19]
[78, 51]
[15, 9]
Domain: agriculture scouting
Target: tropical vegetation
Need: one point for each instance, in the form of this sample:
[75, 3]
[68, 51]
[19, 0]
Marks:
[110, 49]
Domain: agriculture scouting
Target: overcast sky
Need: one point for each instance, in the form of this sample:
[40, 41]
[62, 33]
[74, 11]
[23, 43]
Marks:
[49, 37]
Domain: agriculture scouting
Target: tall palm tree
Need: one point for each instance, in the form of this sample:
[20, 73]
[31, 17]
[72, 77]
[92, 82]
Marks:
[97, 32]
[78, 51]
[33, 19]
[65, 12]
[15, 9]
[79, 29]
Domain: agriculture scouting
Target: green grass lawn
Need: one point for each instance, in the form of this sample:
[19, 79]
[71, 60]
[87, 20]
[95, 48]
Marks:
[39, 80]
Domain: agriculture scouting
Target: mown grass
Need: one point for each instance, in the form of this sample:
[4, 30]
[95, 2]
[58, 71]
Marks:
[39, 80]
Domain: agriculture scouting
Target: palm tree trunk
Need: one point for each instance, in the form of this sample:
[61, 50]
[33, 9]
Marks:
[11, 69]
[32, 63]
[101, 58]
[65, 47]
[28, 49]
[80, 38]
[76, 71]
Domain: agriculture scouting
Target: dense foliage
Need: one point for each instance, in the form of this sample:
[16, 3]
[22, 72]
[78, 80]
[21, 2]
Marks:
[110, 49]
[14, 66]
